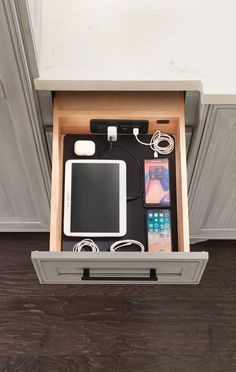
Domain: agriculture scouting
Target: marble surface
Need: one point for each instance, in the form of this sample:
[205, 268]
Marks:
[140, 45]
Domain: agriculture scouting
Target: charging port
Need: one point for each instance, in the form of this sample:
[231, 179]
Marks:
[123, 126]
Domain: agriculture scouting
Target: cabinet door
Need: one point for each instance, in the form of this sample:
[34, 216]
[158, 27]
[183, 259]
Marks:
[24, 161]
[212, 189]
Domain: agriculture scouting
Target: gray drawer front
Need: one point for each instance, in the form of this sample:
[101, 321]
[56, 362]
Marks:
[117, 268]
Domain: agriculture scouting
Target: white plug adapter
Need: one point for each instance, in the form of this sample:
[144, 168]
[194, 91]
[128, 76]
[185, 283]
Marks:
[112, 134]
[84, 148]
[135, 131]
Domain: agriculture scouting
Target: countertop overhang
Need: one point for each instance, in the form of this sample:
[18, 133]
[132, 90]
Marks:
[140, 45]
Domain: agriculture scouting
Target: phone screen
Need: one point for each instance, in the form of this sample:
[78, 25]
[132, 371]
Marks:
[156, 178]
[159, 230]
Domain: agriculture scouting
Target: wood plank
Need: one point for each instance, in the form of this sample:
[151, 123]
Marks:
[22, 364]
[4, 364]
[181, 182]
[118, 101]
[166, 362]
[75, 308]
[203, 311]
[222, 338]
[76, 363]
[56, 184]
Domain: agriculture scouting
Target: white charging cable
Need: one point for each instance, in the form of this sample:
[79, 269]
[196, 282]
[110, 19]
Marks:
[125, 243]
[155, 141]
[115, 246]
[85, 243]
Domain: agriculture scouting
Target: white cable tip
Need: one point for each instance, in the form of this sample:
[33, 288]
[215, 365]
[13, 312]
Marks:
[155, 154]
[112, 134]
[135, 131]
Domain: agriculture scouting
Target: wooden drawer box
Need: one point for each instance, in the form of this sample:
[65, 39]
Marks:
[72, 114]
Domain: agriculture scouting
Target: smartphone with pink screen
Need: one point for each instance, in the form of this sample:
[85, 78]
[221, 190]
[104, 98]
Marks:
[156, 180]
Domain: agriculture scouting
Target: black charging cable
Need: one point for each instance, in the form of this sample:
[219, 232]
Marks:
[111, 146]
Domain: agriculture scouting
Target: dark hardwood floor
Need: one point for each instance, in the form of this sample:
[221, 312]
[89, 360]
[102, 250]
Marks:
[115, 328]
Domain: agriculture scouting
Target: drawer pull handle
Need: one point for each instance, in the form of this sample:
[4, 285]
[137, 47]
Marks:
[152, 277]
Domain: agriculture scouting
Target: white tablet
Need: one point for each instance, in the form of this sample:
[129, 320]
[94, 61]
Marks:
[95, 198]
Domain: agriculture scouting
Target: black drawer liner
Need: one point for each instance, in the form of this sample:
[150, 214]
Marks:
[136, 212]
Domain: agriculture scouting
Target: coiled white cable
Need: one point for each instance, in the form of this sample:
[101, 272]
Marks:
[155, 141]
[124, 243]
[85, 243]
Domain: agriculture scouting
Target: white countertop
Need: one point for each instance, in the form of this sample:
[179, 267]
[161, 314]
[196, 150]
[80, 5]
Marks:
[140, 45]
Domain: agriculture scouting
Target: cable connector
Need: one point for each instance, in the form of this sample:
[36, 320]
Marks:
[112, 134]
[135, 131]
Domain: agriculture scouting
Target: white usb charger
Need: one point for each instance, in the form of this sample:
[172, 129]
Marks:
[112, 134]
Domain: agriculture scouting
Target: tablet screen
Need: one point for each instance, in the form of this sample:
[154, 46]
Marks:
[95, 197]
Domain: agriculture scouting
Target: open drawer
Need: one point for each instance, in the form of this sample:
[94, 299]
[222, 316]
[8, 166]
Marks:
[72, 114]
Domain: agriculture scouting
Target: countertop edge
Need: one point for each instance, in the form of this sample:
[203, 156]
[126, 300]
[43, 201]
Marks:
[131, 85]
